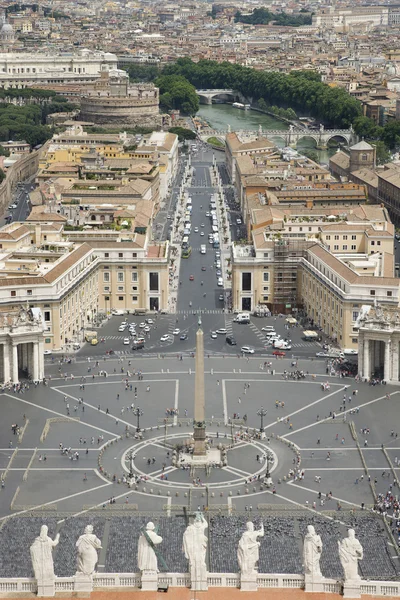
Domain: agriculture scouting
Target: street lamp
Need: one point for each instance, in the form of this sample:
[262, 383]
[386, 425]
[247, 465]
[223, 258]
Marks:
[262, 413]
[137, 413]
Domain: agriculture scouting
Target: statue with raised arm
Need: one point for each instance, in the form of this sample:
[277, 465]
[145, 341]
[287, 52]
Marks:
[42, 556]
[195, 547]
[87, 546]
[147, 558]
[248, 549]
[350, 552]
[312, 552]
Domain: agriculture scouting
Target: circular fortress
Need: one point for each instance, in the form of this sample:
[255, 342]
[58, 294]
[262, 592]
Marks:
[113, 101]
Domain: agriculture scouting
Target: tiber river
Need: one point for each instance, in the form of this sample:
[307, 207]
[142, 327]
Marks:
[219, 116]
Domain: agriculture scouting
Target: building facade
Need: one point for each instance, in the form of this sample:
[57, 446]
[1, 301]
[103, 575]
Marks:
[20, 70]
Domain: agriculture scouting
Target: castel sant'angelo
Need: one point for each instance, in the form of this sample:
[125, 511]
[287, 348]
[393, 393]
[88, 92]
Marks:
[112, 101]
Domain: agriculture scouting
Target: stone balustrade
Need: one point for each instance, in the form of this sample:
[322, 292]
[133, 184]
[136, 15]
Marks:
[23, 585]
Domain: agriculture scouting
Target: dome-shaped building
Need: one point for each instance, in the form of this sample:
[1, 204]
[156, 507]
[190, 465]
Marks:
[7, 34]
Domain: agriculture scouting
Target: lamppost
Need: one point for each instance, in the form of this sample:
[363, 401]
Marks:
[138, 413]
[262, 413]
[267, 477]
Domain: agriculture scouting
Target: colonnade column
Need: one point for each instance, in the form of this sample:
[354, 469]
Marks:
[360, 355]
[41, 359]
[15, 363]
[387, 375]
[395, 360]
[35, 361]
[366, 362]
[6, 362]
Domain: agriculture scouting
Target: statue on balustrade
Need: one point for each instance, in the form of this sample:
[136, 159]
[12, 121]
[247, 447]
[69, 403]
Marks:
[350, 552]
[147, 557]
[195, 547]
[87, 546]
[248, 549]
[42, 555]
[312, 551]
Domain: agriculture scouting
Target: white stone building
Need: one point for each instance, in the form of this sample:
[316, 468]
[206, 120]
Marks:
[20, 70]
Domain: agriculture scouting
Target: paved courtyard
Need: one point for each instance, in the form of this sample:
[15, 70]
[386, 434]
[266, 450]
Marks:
[299, 412]
[91, 414]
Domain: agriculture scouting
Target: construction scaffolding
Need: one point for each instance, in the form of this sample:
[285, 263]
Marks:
[287, 255]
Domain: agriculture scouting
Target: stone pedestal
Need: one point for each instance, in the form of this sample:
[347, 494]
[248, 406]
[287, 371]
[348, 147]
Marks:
[83, 583]
[248, 583]
[199, 436]
[313, 584]
[149, 581]
[46, 588]
[352, 589]
[199, 585]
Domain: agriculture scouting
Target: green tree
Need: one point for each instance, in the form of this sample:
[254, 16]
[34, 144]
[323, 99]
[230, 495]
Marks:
[262, 104]
[2, 175]
[4, 151]
[183, 133]
[391, 134]
[181, 94]
[382, 153]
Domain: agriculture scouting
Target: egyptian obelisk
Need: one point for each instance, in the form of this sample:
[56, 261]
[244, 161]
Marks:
[199, 424]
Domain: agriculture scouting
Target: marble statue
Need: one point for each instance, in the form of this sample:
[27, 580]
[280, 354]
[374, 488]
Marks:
[147, 558]
[248, 549]
[42, 557]
[350, 552]
[87, 546]
[195, 547]
[312, 552]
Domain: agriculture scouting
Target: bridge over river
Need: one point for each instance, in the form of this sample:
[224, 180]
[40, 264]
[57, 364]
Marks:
[292, 135]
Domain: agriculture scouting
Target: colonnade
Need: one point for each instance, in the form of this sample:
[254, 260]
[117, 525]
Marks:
[378, 353]
[21, 355]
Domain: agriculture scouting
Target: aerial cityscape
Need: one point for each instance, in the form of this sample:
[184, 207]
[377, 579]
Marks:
[199, 299]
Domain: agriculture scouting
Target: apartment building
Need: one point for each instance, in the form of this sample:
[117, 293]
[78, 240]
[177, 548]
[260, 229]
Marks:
[321, 260]
[70, 281]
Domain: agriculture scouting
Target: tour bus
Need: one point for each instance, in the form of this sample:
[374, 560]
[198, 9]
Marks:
[185, 242]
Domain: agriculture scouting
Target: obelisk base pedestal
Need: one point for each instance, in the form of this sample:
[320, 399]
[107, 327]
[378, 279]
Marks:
[199, 436]
[248, 583]
[352, 589]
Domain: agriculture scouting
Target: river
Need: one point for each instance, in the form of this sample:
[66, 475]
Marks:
[219, 116]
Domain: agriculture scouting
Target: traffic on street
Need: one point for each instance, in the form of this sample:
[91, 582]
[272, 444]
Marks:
[200, 229]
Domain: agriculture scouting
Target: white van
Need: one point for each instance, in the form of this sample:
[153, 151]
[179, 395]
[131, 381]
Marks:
[220, 282]
[203, 249]
[243, 318]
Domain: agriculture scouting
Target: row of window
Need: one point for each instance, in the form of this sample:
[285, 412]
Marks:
[344, 237]
[120, 276]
